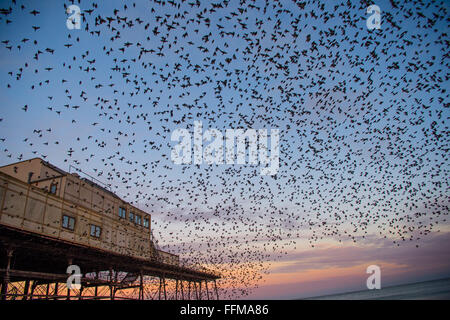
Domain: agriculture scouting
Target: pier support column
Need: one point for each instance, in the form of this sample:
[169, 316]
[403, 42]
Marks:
[217, 292]
[69, 262]
[96, 287]
[141, 287]
[80, 294]
[9, 253]
[165, 293]
[33, 287]
[55, 293]
[111, 290]
[25, 290]
[182, 290]
[196, 292]
[207, 291]
[47, 291]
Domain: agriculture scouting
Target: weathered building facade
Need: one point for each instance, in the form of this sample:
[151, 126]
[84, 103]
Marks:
[44, 207]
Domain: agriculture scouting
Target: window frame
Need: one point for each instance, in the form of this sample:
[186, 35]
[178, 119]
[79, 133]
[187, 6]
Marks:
[138, 217]
[146, 222]
[122, 210]
[53, 185]
[97, 231]
[69, 219]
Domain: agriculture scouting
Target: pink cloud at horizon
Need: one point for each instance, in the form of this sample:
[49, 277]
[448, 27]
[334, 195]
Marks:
[342, 268]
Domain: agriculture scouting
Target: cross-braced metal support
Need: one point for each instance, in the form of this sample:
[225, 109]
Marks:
[107, 279]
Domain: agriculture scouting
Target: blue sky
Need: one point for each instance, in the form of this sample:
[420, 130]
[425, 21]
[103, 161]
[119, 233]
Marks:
[363, 116]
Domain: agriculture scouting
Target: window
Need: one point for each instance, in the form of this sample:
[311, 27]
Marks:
[30, 174]
[146, 222]
[122, 212]
[138, 219]
[95, 231]
[131, 217]
[53, 188]
[68, 222]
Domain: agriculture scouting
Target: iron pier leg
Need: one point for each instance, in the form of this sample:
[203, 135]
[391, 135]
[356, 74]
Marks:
[196, 292]
[69, 262]
[116, 274]
[33, 286]
[80, 293]
[159, 290]
[165, 293]
[25, 290]
[68, 294]
[207, 291]
[56, 291]
[47, 291]
[182, 290]
[9, 253]
[217, 292]
[111, 291]
[96, 287]
[81, 288]
[141, 287]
